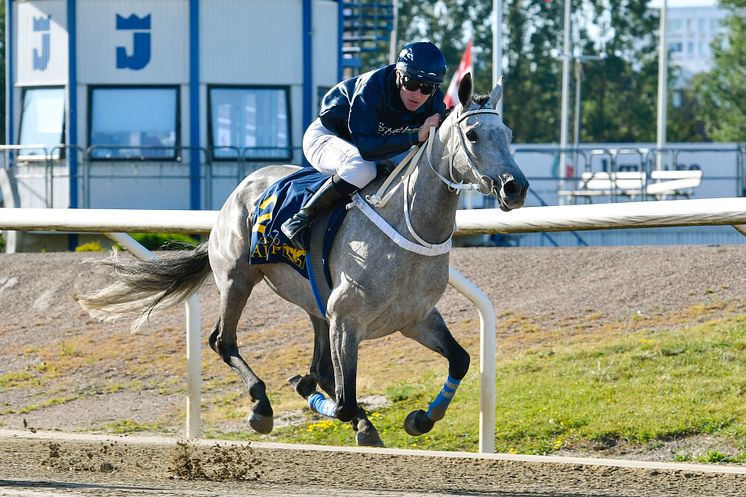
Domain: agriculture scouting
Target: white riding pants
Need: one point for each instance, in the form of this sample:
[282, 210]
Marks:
[330, 154]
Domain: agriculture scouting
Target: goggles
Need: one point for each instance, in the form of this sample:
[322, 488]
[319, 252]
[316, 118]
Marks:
[414, 85]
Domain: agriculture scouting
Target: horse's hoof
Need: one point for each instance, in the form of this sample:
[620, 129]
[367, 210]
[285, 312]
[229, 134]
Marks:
[304, 385]
[369, 437]
[345, 413]
[417, 423]
[261, 423]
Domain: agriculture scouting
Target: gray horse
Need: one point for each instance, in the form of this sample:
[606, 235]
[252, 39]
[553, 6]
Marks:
[374, 275]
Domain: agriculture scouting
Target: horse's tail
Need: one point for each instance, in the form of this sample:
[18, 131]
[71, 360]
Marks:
[146, 286]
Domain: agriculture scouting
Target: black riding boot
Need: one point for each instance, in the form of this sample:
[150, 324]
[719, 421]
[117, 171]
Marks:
[297, 227]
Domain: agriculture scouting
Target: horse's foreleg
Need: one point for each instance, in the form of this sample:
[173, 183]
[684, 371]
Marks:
[344, 344]
[322, 373]
[234, 292]
[433, 333]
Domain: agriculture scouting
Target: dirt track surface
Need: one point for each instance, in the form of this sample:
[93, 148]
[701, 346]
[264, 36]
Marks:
[52, 464]
[551, 288]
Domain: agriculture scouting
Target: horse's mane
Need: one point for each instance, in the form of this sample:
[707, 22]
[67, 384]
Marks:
[478, 99]
[481, 99]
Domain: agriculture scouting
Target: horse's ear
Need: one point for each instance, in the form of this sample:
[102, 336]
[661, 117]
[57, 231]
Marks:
[465, 91]
[495, 94]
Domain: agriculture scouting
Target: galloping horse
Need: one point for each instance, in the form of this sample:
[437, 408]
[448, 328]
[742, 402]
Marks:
[373, 275]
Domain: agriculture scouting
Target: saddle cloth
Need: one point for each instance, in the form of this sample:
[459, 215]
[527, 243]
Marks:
[277, 204]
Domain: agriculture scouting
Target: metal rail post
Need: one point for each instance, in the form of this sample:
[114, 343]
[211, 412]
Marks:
[193, 352]
[487, 360]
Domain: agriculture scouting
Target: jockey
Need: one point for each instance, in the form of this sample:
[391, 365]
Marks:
[372, 117]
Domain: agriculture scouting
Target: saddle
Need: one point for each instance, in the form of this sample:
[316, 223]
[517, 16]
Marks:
[269, 245]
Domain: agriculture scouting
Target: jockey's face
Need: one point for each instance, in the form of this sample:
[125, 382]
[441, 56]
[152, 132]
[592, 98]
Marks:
[412, 99]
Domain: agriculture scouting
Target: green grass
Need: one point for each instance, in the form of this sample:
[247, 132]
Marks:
[18, 379]
[123, 426]
[644, 387]
[54, 401]
[641, 388]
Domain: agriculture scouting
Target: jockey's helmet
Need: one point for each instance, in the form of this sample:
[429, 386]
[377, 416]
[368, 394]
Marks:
[422, 61]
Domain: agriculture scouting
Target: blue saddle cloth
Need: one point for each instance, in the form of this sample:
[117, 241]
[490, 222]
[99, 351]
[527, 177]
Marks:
[276, 205]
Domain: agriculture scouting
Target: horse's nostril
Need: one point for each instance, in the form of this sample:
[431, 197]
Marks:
[511, 188]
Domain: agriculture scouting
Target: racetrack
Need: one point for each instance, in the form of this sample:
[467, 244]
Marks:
[555, 288]
[44, 464]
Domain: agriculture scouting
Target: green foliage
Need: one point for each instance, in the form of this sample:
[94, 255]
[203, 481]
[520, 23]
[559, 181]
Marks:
[2, 243]
[722, 91]
[165, 241]
[618, 93]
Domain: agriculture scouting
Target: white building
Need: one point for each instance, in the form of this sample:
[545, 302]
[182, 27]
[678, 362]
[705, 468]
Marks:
[693, 25]
[160, 103]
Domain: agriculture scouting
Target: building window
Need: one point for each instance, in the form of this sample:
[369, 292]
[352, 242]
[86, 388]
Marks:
[675, 47]
[250, 122]
[134, 122]
[42, 121]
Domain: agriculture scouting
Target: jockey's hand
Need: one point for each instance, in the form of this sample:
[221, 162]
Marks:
[424, 132]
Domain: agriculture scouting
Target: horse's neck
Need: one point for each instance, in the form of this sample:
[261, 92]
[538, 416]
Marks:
[432, 205]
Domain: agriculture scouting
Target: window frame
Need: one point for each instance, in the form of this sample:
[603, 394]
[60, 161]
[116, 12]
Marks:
[54, 153]
[175, 157]
[241, 156]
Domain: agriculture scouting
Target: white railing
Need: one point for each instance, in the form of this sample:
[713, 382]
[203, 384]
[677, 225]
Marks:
[706, 212]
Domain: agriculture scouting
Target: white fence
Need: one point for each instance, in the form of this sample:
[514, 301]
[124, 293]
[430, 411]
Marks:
[706, 212]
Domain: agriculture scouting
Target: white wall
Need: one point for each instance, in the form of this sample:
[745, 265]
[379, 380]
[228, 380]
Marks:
[325, 45]
[51, 70]
[99, 40]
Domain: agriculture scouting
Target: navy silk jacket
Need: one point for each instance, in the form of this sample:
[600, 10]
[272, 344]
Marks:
[367, 111]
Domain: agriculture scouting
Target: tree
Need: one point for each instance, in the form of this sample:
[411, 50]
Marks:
[721, 92]
[619, 93]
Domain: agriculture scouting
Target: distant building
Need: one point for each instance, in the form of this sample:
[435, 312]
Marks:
[692, 28]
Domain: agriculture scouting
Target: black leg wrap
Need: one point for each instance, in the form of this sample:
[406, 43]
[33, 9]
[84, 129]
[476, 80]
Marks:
[304, 385]
[345, 413]
[459, 364]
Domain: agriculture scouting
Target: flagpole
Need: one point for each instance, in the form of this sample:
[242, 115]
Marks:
[497, 46]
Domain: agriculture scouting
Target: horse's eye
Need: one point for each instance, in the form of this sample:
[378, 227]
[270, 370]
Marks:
[471, 135]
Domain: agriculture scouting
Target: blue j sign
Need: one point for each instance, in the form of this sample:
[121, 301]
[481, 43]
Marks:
[140, 42]
[42, 25]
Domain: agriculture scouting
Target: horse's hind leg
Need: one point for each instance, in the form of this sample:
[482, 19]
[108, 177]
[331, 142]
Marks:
[235, 284]
[322, 374]
[433, 333]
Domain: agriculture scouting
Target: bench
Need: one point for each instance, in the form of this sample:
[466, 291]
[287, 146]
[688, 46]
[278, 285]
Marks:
[659, 184]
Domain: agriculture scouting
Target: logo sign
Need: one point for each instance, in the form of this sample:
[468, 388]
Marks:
[42, 25]
[140, 56]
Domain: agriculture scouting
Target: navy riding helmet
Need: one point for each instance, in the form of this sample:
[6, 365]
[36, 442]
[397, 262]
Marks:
[422, 61]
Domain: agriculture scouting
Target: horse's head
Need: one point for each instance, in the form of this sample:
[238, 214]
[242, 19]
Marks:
[478, 143]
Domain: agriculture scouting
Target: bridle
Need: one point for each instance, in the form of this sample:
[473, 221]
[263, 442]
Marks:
[484, 184]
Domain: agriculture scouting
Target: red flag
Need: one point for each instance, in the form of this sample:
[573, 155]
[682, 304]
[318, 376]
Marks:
[465, 66]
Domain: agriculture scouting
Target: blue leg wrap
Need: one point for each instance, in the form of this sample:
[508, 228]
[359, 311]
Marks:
[437, 409]
[320, 404]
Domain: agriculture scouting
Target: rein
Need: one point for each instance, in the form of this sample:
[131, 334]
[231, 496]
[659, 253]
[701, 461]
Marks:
[379, 199]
